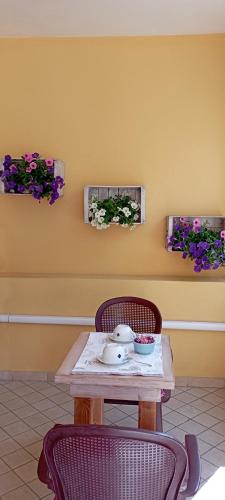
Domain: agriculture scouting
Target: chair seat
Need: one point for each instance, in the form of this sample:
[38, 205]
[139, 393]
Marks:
[165, 395]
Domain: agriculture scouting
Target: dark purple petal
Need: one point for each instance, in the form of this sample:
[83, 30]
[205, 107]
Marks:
[7, 161]
[20, 188]
[59, 180]
[53, 198]
[39, 188]
[192, 247]
[36, 195]
[204, 245]
[13, 169]
[6, 173]
[197, 269]
[206, 266]
[11, 184]
[54, 185]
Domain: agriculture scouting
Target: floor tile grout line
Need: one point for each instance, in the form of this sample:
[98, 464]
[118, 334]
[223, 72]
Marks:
[198, 436]
[207, 460]
[26, 483]
[214, 405]
[123, 418]
[15, 489]
[37, 411]
[195, 421]
[21, 447]
[210, 463]
[20, 419]
[15, 436]
[120, 409]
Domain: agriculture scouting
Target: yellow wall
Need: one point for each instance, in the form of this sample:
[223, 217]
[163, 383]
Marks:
[147, 111]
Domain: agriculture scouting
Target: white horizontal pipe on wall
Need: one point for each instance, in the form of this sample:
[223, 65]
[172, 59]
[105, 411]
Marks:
[4, 318]
[51, 320]
[85, 321]
[194, 325]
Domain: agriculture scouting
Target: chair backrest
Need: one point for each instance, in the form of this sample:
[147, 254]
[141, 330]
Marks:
[111, 463]
[140, 314]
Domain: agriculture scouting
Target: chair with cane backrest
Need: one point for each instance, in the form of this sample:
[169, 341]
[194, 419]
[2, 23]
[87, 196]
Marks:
[140, 314]
[115, 463]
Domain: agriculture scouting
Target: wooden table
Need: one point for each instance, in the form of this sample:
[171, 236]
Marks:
[89, 391]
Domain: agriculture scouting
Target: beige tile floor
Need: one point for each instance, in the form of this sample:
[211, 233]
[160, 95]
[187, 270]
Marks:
[29, 409]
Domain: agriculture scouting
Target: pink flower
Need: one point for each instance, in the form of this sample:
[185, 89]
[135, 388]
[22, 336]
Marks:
[49, 162]
[28, 157]
[183, 219]
[196, 222]
[33, 165]
[28, 169]
[222, 234]
[13, 168]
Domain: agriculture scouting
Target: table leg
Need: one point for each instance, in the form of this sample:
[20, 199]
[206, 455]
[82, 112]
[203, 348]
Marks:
[88, 410]
[147, 415]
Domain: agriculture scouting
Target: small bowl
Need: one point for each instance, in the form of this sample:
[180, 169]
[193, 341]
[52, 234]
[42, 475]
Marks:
[144, 348]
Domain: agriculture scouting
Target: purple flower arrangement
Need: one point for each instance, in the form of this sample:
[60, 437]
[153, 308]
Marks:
[206, 247]
[144, 339]
[33, 175]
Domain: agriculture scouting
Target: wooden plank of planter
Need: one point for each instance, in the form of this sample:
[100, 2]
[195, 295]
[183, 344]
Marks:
[113, 191]
[103, 193]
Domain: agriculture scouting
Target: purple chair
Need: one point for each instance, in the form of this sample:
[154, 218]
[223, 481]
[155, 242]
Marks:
[143, 317]
[140, 314]
[115, 463]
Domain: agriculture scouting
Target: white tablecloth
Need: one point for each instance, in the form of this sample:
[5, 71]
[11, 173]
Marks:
[149, 364]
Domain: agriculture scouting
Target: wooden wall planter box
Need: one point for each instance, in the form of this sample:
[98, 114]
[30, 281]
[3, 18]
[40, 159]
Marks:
[137, 193]
[214, 222]
[58, 170]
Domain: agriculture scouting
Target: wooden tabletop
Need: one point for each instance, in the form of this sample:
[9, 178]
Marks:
[128, 387]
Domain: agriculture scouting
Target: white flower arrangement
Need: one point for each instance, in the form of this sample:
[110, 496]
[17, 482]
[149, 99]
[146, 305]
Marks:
[120, 209]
